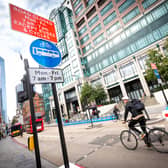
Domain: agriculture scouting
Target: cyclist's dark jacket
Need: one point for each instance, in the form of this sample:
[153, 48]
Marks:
[129, 108]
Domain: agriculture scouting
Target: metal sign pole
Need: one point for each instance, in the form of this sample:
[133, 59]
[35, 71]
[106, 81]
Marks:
[61, 131]
[30, 93]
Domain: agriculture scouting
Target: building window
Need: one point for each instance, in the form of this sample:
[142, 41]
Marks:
[147, 3]
[74, 63]
[79, 9]
[109, 18]
[101, 2]
[110, 78]
[117, 1]
[99, 39]
[91, 12]
[84, 39]
[107, 8]
[96, 29]
[86, 48]
[67, 73]
[80, 23]
[82, 31]
[105, 63]
[125, 5]
[132, 14]
[142, 62]
[93, 21]
[113, 28]
[128, 70]
[90, 2]
[76, 3]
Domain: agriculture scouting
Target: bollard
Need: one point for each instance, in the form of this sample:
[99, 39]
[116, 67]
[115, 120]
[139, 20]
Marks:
[31, 143]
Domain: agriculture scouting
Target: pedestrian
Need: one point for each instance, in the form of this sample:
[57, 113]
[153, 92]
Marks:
[116, 112]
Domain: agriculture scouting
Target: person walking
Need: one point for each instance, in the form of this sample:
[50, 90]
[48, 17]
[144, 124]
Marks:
[116, 111]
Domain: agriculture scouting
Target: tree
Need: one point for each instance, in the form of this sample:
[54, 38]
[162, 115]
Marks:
[100, 95]
[161, 61]
[87, 95]
[92, 94]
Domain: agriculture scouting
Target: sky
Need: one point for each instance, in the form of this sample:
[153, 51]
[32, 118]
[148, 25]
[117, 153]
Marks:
[12, 43]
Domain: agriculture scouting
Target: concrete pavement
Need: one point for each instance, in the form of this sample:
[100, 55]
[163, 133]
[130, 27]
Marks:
[13, 155]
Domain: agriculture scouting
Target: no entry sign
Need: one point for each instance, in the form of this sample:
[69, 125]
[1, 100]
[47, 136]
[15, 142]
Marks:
[29, 23]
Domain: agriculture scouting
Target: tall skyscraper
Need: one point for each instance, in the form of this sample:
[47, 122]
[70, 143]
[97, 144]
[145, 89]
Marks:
[114, 37]
[3, 105]
[68, 92]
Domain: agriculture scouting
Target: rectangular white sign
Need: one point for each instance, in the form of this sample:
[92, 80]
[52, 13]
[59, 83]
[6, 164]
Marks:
[45, 75]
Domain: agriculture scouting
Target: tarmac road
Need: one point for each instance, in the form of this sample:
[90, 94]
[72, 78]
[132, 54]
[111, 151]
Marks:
[97, 147]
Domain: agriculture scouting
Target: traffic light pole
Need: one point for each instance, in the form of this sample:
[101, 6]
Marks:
[30, 94]
[60, 127]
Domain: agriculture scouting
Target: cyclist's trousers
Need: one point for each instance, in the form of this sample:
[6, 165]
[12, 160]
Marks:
[142, 123]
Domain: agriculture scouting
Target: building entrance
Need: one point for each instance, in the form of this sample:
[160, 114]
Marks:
[134, 89]
[115, 94]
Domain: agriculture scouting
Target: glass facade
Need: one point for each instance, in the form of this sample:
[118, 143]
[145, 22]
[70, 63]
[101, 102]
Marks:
[82, 31]
[98, 39]
[131, 15]
[96, 29]
[67, 75]
[110, 78]
[93, 21]
[147, 30]
[76, 3]
[84, 39]
[109, 18]
[147, 3]
[79, 9]
[107, 8]
[122, 8]
[3, 103]
[47, 92]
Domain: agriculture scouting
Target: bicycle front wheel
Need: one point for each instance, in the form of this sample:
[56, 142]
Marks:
[129, 140]
[159, 140]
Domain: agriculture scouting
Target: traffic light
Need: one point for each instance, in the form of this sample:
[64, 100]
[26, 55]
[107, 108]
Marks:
[23, 95]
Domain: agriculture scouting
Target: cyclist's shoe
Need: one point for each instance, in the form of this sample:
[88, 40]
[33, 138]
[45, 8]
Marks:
[141, 136]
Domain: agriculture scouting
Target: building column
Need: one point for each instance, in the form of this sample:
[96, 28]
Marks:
[122, 86]
[104, 86]
[64, 102]
[65, 12]
[142, 78]
[78, 96]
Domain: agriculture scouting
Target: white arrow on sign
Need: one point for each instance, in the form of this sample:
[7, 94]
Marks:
[45, 75]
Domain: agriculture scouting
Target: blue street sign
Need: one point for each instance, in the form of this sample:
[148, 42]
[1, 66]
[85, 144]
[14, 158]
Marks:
[157, 76]
[156, 73]
[45, 53]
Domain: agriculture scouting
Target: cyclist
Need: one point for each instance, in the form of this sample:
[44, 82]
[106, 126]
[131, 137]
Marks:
[137, 117]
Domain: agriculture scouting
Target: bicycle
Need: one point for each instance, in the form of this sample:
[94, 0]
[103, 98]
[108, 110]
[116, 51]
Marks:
[157, 138]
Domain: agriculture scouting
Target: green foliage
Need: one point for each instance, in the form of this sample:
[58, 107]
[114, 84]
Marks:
[161, 61]
[100, 95]
[92, 94]
[87, 94]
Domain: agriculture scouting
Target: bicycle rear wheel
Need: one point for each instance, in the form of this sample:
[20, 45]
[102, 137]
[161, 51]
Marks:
[159, 140]
[129, 140]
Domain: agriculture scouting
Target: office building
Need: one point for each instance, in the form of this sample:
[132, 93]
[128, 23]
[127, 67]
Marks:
[114, 37]
[3, 105]
[47, 92]
[68, 92]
